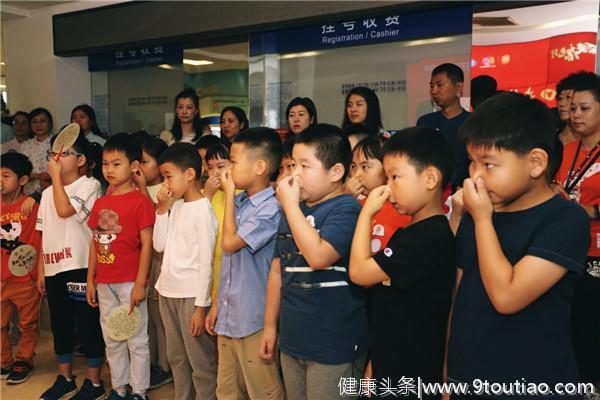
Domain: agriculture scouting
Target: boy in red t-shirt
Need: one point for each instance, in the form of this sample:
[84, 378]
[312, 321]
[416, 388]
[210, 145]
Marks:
[19, 257]
[119, 262]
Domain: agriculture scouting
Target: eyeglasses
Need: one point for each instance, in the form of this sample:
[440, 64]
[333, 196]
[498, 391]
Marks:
[52, 154]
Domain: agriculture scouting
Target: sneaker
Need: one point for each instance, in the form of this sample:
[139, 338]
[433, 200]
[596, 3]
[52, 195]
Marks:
[5, 372]
[60, 389]
[158, 377]
[115, 396]
[90, 392]
[21, 371]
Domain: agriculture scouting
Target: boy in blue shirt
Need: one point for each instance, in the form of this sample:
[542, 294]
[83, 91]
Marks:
[520, 249]
[322, 315]
[250, 225]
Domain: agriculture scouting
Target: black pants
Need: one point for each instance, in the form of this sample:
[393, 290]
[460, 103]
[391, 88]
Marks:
[67, 303]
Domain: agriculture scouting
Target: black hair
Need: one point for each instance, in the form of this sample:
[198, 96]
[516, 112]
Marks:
[513, 122]
[94, 162]
[373, 119]
[154, 146]
[588, 82]
[452, 71]
[188, 93]
[360, 130]
[305, 102]
[371, 147]
[208, 140]
[482, 88]
[91, 114]
[126, 143]
[217, 151]
[84, 147]
[288, 146]
[574, 81]
[239, 114]
[266, 142]
[331, 146]
[17, 163]
[183, 156]
[40, 110]
[423, 147]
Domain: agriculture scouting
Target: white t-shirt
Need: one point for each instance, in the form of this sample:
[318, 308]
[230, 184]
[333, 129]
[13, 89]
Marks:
[37, 152]
[187, 236]
[186, 137]
[66, 241]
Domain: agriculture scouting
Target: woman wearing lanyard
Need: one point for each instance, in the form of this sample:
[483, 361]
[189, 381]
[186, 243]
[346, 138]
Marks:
[579, 176]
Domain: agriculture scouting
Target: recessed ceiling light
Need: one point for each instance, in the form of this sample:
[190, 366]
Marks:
[196, 62]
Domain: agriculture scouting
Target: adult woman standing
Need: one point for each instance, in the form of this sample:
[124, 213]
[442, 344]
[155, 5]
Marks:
[37, 148]
[20, 125]
[362, 107]
[579, 176]
[233, 120]
[300, 113]
[187, 126]
[85, 116]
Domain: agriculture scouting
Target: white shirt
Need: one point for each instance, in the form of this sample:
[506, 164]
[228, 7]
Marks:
[93, 138]
[66, 241]
[186, 137]
[37, 152]
[187, 236]
[11, 145]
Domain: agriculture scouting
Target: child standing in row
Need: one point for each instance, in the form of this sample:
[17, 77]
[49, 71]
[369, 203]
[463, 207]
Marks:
[413, 292]
[249, 229]
[20, 253]
[520, 248]
[62, 275]
[185, 231]
[119, 261]
[322, 315]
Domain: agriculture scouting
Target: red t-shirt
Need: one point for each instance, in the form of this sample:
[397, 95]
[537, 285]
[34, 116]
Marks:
[587, 190]
[384, 224]
[116, 222]
[20, 241]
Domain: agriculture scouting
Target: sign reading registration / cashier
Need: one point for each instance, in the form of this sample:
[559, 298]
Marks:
[359, 30]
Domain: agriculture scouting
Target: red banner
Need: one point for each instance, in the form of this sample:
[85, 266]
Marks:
[534, 68]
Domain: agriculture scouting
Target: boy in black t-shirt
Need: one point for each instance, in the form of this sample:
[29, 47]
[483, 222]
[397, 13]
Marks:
[521, 249]
[414, 275]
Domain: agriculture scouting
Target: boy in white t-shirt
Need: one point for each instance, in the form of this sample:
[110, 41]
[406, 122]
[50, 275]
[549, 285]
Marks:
[186, 230]
[63, 213]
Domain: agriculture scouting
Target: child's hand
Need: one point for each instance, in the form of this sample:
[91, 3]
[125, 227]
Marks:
[288, 191]
[139, 178]
[476, 199]
[27, 206]
[267, 343]
[227, 183]
[197, 322]
[211, 185]
[354, 186]
[211, 320]
[138, 294]
[458, 204]
[90, 294]
[41, 284]
[376, 199]
[164, 198]
[54, 169]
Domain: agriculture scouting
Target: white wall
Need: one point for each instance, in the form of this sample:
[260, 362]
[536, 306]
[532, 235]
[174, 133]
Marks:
[34, 76]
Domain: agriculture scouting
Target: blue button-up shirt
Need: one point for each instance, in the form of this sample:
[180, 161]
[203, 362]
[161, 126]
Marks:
[244, 274]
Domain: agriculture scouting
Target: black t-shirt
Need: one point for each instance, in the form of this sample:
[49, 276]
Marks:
[410, 313]
[533, 344]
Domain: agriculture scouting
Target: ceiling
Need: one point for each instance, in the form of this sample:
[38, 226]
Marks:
[19, 9]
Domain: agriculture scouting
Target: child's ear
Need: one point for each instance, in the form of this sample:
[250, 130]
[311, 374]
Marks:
[81, 161]
[190, 174]
[337, 172]
[538, 162]
[23, 180]
[260, 167]
[135, 166]
[433, 178]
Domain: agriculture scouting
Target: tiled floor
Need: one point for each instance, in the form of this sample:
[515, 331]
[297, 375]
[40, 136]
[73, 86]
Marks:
[45, 373]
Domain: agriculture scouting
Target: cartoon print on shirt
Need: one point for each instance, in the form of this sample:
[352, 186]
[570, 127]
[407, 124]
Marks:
[106, 233]
[9, 235]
